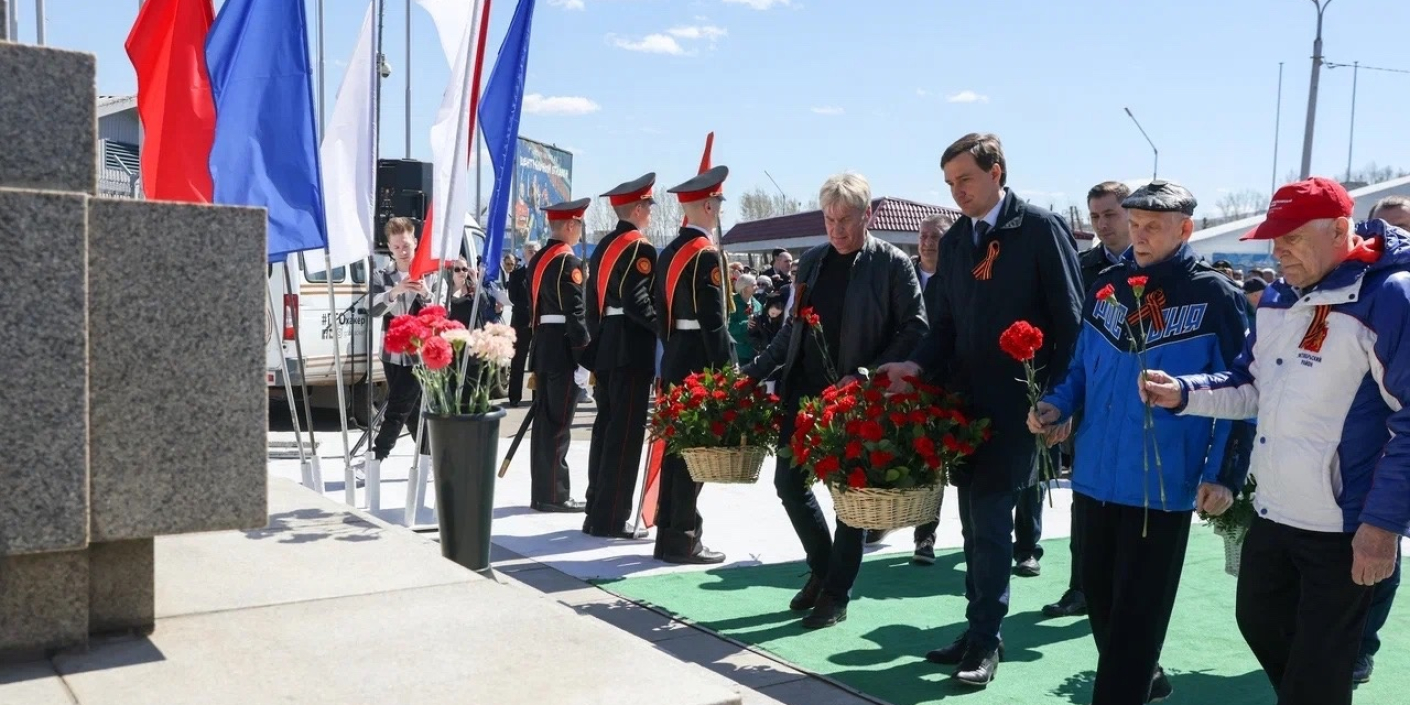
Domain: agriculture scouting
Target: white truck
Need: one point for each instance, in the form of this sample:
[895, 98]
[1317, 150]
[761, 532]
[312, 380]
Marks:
[308, 304]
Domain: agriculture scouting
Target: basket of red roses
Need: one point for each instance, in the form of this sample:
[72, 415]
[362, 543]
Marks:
[884, 457]
[722, 423]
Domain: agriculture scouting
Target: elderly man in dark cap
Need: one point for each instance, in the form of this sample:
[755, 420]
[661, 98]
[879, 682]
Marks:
[1134, 513]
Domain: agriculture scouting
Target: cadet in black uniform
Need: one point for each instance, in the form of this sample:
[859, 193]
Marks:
[695, 329]
[622, 323]
[560, 337]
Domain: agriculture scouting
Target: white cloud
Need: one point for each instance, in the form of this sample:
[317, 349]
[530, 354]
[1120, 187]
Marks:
[922, 92]
[567, 4]
[650, 44]
[709, 32]
[558, 105]
[967, 97]
[759, 4]
[828, 110]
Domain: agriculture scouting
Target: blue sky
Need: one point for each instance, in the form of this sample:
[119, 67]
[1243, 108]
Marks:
[806, 88]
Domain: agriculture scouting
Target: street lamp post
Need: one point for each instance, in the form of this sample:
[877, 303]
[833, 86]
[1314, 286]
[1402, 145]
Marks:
[1156, 168]
[1321, 6]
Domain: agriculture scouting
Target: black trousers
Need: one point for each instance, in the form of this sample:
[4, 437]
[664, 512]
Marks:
[618, 434]
[403, 410]
[522, 337]
[836, 557]
[1382, 597]
[1300, 612]
[1130, 582]
[553, 420]
[1028, 522]
[927, 530]
[1078, 545]
[986, 520]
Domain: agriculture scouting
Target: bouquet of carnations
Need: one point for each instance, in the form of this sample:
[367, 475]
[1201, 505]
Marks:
[885, 457]
[721, 421]
[457, 368]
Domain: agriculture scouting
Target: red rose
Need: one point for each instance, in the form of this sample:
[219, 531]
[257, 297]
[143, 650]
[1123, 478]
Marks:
[854, 450]
[436, 353]
[1138, 283]
[898, 418]
[916, 417]
[827, 465]
[872, 431]
[717, 428]
[1106, 293]
[1021, 341]
[924, 446]
[857, 479]
[730, 415]
[881, 459]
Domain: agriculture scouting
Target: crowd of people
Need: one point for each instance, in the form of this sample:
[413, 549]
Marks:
[1297, 377]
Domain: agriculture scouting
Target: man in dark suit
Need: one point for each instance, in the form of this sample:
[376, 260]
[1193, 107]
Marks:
[560, 339]
[519, 320]
[868, 301]
[622, 323]
[1006, 261]
[695, 327]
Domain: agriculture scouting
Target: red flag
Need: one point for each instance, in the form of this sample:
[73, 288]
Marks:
[422, 262]
[167, 47]
[704, 160]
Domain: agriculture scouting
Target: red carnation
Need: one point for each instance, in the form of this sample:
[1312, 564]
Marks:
[917, 417]
[875, 412]
[872, 431]
[809, 316]
[881, 459]
[730, 415]
[1138, 283]
[436, 353]
[872, 396]
[398, 341]
[1106, 293]
[857, 479]
[720, 395]
[1021, 341]
[846, 404]
[433, 311]
[854, 450]
[924, 446]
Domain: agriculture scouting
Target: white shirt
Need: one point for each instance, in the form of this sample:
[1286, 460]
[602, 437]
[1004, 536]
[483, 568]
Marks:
[697, 227]
[992, 218]
[924, 277]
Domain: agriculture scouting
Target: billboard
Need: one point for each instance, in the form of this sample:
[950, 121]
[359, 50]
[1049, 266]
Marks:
[543, 175]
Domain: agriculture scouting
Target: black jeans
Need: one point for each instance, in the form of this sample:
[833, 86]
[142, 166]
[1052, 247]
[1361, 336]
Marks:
[403, 409]
[834, 557]
[1300, 612]
[1130, 581]
[1028, 523]
[1382, 596]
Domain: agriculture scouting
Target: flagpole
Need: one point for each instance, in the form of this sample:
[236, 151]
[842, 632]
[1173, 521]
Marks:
[349, 481]
[315, 470]
[374, 492]
[408, 79]
[305, 470]
[480, 31]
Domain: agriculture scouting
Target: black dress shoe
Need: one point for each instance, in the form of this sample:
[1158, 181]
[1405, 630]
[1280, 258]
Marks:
[807, 598]
[625, 532]
[875, 536]
[567, 506]
[1073, 603]
[1160, 687]
[978, 667]
[825, 614]
[950, 655]
[704, 556]
[1028, 568]
[1361, 672]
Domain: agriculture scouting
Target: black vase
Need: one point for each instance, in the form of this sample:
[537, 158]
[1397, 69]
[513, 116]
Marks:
[464, 449]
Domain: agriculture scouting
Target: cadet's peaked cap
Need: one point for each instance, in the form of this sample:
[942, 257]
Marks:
[707, 185]
[1162, 196]
[638, 189]
[567, 210]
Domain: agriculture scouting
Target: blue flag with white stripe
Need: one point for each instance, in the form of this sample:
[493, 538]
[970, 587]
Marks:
[500, 110]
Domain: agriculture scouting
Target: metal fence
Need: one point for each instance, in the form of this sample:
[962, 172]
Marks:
[119, 182]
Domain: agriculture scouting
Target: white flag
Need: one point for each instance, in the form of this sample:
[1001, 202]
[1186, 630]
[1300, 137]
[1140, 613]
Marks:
[450, 135]
[349, 168]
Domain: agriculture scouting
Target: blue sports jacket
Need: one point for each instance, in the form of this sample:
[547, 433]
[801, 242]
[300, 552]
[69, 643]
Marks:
[1195, 319]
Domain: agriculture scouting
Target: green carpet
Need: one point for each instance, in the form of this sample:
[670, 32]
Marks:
[900, 611]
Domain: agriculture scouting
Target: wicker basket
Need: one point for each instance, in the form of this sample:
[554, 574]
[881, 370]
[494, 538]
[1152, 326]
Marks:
[1233, 550]
[870, 508]
[737, 466]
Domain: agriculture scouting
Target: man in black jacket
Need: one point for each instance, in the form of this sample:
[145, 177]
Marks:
[865, 293]
[693, 323]
[519, 320]
[1113, 238]
[1005, 262]
[622, 322]
[560, 340]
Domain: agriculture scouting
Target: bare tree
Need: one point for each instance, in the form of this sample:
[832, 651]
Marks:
[599, 220]
[757, 204]
[1237, 204]
[666, 219]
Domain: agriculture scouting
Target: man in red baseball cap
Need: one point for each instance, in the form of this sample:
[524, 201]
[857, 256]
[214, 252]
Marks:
[1327, 375]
